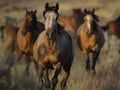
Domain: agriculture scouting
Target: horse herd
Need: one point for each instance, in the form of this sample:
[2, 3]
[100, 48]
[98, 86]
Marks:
[50, 46]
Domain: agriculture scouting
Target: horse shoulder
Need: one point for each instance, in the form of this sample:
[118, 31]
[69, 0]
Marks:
[42, 39]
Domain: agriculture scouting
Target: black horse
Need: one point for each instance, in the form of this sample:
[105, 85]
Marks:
[53, 49]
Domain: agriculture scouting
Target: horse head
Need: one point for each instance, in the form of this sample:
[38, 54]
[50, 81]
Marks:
[30, 21]
[51, 16]
[90, 19]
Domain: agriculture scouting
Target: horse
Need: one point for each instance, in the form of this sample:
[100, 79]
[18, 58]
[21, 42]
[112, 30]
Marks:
[71, 23]
[90, 39]
[53, 49]
[10, 32]
[113, 27]
[27, 34]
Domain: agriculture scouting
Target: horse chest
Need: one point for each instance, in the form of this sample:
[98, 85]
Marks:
[24, 42]
[49, 54]
[88, 42]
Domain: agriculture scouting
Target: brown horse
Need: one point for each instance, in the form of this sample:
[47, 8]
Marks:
[10, 33]
[90, 38]
[71, 23]
[113, 27]
[53, 49]
[27, 34]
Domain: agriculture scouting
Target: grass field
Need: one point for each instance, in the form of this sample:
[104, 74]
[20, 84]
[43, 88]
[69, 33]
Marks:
[108, 65]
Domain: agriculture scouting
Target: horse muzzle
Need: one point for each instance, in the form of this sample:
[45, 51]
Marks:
[49, 35]
[24, 32]
[89, 33]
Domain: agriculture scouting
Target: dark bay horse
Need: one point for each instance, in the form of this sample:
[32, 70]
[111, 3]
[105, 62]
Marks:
[113, 27]
[71, 23]
[27, 34]
[90, 38]
[53, 49]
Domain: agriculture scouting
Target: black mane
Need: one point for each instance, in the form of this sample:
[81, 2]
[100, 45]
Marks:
[95, 17]
[52, 8]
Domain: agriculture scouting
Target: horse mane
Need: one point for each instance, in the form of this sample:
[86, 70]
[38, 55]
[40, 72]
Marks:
[53, 8]
[96, 17]
[59, 27]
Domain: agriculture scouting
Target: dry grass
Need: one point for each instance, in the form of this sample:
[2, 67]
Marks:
[108, 68]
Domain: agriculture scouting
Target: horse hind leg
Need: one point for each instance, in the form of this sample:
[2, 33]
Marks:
[94, 59]
[41, 69]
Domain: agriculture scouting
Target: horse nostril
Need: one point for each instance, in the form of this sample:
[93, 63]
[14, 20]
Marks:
[24, 32]
[88, 33]
[49, 34]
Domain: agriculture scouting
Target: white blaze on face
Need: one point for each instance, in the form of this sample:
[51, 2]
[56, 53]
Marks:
[50, 19]
[88, 23]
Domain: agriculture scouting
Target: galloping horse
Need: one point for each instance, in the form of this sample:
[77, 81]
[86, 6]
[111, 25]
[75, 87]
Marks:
[11, 34]
[90, 38]
[71, 23]
[27, 34]
[53, 49]
[113, 27]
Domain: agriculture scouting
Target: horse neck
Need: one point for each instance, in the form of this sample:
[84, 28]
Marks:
[31, 28]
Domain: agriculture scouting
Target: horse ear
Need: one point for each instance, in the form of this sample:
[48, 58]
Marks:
[35, 11]
[85, 10]
[93, 10]
[47, 6]
[26, 10]
[57, 6]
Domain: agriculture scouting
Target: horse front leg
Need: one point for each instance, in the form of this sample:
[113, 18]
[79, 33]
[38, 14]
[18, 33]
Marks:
[94, 59]
[41, 69]
[55, 78]
[86, 57]
[28, 64]
[46, 78]
[19, 57]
